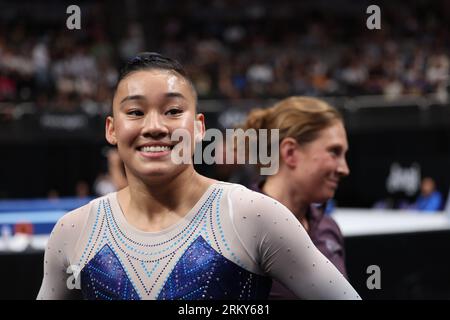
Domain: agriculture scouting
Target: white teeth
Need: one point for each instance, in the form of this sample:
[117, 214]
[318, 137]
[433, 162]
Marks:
[155, 149]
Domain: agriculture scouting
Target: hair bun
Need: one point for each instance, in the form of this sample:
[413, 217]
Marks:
[256, 119]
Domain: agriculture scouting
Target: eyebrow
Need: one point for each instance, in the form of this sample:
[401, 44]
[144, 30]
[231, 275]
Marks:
[174, 95]
[133, 97]
[340, 147]
[141, 97]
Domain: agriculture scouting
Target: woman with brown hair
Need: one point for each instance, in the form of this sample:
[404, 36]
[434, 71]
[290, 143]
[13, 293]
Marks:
[312, 148]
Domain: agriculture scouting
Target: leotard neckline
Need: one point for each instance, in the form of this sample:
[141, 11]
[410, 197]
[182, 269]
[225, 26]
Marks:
[123, 223]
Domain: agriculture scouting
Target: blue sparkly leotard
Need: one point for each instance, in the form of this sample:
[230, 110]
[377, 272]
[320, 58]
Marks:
[228, 246]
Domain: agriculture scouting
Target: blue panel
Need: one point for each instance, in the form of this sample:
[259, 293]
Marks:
[104, 278]
[204, 274]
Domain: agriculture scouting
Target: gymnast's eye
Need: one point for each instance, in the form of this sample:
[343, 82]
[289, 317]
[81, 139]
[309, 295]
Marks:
[135, 112]
[174, 111]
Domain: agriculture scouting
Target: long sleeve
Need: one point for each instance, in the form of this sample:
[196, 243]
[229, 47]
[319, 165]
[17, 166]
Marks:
[279, 244]
[60, 277]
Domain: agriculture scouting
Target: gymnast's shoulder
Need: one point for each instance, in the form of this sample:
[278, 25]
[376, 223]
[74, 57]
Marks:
[248, 201]
[73, 221]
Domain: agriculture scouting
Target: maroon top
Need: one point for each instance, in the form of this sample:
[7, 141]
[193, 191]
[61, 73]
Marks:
[326, 236]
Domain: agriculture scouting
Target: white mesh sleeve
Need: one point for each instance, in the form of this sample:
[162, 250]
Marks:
[281, 246]
[59, 281]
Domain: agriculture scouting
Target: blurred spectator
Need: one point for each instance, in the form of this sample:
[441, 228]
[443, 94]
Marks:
[115, 179]
[230, 172]
[53, 194]
[262, 54]
[133, 43]
[429, 199]
[82, 189]
[103, 185]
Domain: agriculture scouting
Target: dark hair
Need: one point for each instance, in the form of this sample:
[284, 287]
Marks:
[155, 61]
[151, 60]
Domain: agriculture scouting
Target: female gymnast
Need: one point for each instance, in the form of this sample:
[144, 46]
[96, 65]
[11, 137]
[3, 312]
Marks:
[172, 233]
[312, 148]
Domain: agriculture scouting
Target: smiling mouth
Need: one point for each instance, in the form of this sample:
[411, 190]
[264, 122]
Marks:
[155, 149]
[334, 182]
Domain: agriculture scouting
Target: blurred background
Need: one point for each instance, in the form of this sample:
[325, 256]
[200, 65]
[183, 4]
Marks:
[392, 86]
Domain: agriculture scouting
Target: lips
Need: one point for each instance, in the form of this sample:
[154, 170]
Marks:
[154, 150]
[334, 182]
[155, 147]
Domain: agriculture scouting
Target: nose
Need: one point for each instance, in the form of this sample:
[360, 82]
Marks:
[343, 169]
[154, 126]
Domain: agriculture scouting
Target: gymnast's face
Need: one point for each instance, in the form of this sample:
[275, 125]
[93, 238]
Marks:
[321, 164]
[147, 107]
